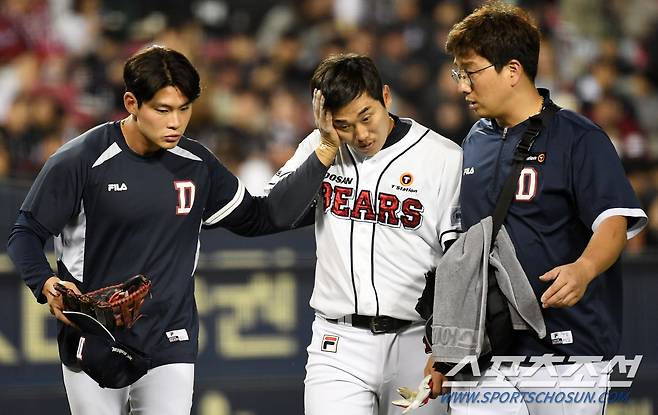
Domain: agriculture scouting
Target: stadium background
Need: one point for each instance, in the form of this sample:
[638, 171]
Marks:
[60, 73]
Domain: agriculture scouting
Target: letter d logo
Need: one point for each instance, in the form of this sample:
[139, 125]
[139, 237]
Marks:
[186, 191]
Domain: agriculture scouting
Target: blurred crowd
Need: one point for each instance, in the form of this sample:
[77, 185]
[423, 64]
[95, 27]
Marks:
[61, 67]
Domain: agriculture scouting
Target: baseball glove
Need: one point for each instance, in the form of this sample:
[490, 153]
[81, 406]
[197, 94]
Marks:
[115, 306]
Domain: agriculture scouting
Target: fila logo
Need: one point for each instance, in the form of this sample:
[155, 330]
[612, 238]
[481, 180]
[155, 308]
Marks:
[186, 191]
[116, 187]
[469, 170]
[329, 343]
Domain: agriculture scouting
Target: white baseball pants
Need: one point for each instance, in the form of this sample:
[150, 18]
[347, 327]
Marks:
[358, 373]
[164, 390]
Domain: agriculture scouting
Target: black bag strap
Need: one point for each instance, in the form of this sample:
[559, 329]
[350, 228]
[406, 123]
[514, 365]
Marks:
[537, 122]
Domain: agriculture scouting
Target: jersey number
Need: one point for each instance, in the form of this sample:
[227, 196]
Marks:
[527, 188]
[186, 190]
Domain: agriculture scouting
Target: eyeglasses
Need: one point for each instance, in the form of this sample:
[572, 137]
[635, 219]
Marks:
[459, 75]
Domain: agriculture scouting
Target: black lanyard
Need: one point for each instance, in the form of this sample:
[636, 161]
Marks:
[535, 125]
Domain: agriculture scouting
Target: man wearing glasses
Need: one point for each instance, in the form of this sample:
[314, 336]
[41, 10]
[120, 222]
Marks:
[462, 75]
[569, 220]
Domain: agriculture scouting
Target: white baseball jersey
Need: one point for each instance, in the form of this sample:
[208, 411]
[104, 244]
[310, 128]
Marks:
[382, 222]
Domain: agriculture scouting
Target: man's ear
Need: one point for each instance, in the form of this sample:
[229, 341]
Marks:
[515, 71]
[388, 98]
[130, 102]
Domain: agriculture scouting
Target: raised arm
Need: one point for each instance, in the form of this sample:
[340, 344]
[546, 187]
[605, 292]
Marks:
[293, 189]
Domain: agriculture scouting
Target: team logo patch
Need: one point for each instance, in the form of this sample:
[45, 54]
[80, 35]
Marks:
[185, 200]
[406, 179]
[562, 337]
[536, 157]
[329, 343]
[179, 335]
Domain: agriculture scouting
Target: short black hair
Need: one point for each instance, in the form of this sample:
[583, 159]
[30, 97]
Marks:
[498, 32]
[156, 67]
[345, 77]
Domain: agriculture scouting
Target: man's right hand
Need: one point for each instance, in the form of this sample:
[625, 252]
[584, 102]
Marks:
[329, 140]
[437, 379]
[54, 298]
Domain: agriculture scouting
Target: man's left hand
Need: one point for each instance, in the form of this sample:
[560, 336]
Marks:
[569, 284]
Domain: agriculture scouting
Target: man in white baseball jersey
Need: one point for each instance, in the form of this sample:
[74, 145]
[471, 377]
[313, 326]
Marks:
[384, 213]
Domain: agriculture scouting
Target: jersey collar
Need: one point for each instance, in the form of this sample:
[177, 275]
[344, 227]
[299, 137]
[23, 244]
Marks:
[400, 129]
[520, 127]
[121, 141]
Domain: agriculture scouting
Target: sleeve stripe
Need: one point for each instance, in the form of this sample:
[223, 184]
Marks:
[449, 235]
[229, 207]
[640, 223]
[276, 179]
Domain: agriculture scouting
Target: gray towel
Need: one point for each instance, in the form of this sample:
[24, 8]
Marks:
[458, 328]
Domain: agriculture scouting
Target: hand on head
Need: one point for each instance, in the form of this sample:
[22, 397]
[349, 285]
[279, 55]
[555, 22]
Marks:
[324, 121]
[329, 140]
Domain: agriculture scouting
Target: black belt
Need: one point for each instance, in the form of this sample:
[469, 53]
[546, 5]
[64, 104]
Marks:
[376, 324]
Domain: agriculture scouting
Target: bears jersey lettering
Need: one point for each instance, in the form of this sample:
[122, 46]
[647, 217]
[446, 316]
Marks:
[388, 209]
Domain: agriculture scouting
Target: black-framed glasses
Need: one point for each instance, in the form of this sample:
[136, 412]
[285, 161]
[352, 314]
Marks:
[459, 75]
